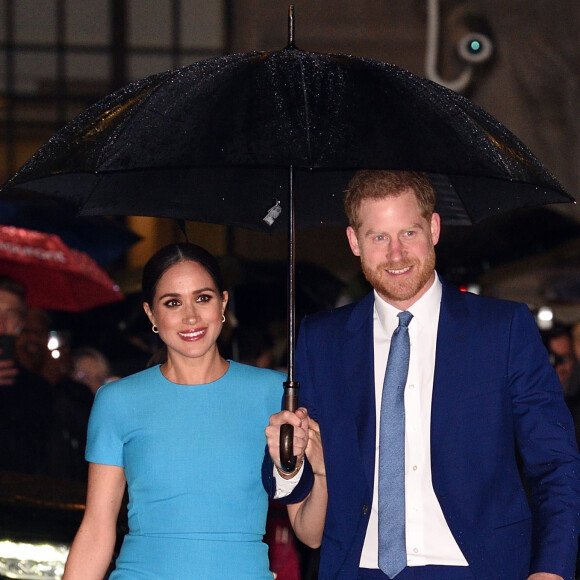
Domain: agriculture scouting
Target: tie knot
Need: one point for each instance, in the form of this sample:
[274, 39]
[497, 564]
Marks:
[404, 318]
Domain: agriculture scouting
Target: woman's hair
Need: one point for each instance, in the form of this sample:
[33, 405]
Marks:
[380, 184]
[172, 254]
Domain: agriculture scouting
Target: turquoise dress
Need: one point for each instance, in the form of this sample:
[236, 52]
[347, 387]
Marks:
[192, 456]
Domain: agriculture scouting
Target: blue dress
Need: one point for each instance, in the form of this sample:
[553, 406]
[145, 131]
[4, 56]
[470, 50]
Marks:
[192, 456]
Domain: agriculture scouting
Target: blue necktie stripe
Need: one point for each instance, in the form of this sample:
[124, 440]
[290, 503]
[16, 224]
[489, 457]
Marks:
[392, 547]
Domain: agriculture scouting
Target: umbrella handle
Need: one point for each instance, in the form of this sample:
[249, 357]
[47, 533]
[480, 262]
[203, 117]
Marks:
[287, 457]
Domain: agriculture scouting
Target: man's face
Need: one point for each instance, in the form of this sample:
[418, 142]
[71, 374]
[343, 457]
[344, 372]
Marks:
[561, 347]
[396, 246]
[576, 340]
[12, 313]
[31, 344]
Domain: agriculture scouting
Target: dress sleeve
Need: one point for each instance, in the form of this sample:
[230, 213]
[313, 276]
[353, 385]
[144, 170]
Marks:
[105, 437]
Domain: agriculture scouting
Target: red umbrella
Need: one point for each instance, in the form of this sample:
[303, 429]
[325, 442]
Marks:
[55, 276]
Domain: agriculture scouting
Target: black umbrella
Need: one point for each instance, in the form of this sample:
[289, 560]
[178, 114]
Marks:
[243, 138]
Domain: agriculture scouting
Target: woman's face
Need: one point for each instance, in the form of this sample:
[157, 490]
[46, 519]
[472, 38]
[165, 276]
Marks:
[187, 309]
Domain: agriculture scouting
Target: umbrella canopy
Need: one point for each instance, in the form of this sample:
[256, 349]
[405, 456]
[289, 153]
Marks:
[213, 142]
[103, 239]
[55, 276]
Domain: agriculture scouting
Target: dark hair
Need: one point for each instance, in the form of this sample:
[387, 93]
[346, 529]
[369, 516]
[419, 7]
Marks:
[557, 330]
[382, 183]
[10, 285]
[172, 254]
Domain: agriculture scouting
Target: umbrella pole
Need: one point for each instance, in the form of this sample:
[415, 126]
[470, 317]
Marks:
[287, 458]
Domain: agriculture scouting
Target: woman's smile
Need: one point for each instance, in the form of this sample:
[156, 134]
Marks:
[196, 334]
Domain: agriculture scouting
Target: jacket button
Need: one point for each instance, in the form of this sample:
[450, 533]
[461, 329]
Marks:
[365, 509]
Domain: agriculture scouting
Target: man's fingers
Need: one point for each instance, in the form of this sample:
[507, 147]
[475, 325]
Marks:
[286, 417]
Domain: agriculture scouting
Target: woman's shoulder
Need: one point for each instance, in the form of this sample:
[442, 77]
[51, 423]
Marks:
[134, 381]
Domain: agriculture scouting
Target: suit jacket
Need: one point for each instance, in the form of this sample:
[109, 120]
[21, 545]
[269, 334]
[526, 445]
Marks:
[495, 399]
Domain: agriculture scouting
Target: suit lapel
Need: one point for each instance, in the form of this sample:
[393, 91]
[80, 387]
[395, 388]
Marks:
[451, 341]
[358, 365]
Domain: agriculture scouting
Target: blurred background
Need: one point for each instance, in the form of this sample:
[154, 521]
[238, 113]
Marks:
[519, 60]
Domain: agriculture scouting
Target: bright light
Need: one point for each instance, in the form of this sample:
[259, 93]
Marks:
[545, 318]
[32, 561]
[53, 341]
[55, 353]
[472, 288]
[475, 46]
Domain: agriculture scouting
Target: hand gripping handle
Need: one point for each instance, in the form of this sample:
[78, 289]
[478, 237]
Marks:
[287, 457]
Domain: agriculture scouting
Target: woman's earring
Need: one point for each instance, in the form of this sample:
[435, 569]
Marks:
[155, 329]
[223, 318]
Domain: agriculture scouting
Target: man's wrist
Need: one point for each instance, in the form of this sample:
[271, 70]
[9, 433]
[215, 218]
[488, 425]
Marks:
[291, 474]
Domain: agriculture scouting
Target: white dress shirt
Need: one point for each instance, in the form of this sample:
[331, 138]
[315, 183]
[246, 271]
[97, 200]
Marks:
[428, 537]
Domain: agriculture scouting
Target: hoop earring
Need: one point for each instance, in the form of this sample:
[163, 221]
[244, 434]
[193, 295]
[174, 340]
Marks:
[155, 329]
[223, 318]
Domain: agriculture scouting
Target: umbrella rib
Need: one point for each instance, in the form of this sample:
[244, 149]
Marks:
[306, 112]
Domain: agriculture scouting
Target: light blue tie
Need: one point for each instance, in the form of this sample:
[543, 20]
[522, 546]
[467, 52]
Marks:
[392, 548]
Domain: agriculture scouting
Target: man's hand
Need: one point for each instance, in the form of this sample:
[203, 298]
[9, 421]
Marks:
[544, 576]
[8, 372]
[314, 450]
[299, 420]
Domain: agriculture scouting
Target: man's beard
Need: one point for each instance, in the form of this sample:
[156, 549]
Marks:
[404, 289]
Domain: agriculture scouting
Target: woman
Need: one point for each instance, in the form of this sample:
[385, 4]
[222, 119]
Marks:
[187, 436]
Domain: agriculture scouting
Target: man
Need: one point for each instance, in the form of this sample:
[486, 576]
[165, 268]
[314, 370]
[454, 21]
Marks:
[558, 341]
[25, 397]
[90, 367]
[479, 391]
[72, 400]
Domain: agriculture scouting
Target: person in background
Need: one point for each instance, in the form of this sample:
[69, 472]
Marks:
[424, 397]
[573, 390]
[575, 335]
[186, 437]
[26, 398]
[72, 400]
[32, 342]
[558, 342]
[91, 367]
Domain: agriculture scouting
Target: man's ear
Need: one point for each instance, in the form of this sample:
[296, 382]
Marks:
[435, 228]
[352, 240]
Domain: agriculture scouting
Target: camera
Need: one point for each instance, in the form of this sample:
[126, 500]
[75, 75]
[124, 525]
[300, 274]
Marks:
[475, 48]
[7, 345]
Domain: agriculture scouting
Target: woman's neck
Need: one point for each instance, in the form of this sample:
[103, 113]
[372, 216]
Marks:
[194, 371]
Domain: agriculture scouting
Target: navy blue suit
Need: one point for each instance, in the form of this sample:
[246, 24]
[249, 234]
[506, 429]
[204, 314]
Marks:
[494, 392]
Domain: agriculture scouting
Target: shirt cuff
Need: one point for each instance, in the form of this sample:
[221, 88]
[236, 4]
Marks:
[284, 487]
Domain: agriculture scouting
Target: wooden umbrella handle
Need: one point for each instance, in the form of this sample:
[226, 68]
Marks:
[287, 457]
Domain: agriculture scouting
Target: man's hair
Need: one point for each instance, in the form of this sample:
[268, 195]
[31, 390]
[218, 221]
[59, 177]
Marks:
[380, 184]
[10, 285]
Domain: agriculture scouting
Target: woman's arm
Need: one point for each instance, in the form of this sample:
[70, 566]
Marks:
[307, 517]
[92, 548]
